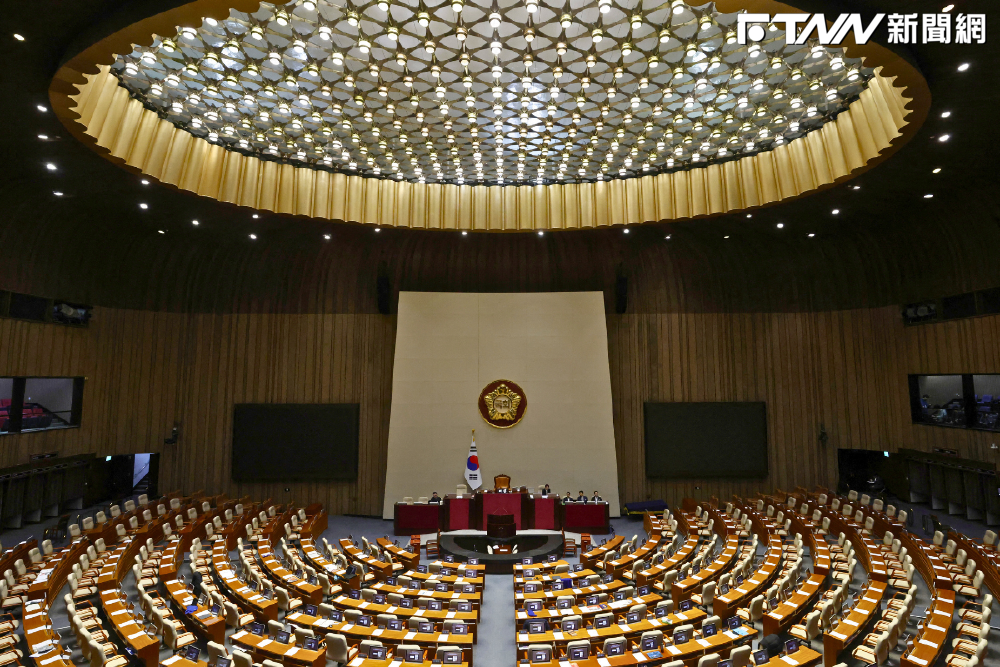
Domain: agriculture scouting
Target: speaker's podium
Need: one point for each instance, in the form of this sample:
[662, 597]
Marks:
[500, 526]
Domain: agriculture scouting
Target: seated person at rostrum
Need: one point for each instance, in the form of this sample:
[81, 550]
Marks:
[582, 498]
[597, 498]
[546, 490]
[568, 498]
[435, 498]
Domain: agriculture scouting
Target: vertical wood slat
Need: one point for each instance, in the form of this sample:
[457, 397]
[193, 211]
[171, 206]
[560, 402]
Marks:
[145, 370]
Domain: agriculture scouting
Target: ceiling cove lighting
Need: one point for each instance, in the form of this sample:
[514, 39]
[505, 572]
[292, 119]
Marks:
[417, 92]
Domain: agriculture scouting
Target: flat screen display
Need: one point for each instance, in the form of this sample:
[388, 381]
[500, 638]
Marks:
[704, 440]
[288, 441]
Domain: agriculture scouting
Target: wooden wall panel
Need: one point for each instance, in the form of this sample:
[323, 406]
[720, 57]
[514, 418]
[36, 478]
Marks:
[147, 370]
[842, 369]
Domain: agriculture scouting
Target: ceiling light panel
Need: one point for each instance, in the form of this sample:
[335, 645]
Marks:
[492, 93]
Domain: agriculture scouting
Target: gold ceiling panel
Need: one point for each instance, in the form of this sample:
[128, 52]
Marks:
[101, 112]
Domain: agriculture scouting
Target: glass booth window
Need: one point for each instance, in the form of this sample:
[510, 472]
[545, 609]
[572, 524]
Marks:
[941, 400]
[987, 397]
[48, 403]
[6, 392]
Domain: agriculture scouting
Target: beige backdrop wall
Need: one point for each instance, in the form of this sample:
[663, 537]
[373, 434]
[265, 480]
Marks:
[450, 346]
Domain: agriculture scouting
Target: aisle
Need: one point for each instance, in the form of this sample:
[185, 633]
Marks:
[496, 646]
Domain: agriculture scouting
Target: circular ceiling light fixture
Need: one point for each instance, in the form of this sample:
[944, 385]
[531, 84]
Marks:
[327, 85]
[321, 109]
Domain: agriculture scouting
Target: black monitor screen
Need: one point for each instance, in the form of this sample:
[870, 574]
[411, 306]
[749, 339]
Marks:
[192, 653]
[733, 622]
[459, 629]
[536, 627]
[452, 657]
[413, 655]
[681, 637]
[394, 624]
[449, 558]
[685, 605]
[464, 605]
[422, 569]
[633, 617]
[661, 612]
[677, 435]
[608, 578]
[434, 605]
[593, 599]
[760, 657]
[571, 625]
[557, 585]
[376, 652]
[311, 644]
[365, 621]
[257, 629]
[725, 663]
[527, 560]
[281, 637]
[579, 653]
[602, 622]
[708, 629]
[406, 603]
[618, 648]
[470, 574]
[540, 655]
[288, 441]
[791, 646]
[425, 627]
[553, 558]
[413, 585]
[354, 595]
[309, 609]
[533, 605]
[336, 616]
[620, 595]
[223, 662]
[643, 591]
[650, 643]
[473, 561]
[379, 599]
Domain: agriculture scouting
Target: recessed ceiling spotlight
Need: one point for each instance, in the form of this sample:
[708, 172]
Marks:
[780, 225]
[811, 235]
[944, 137]
[928, 196]
[937, 170]
[194, 222]
[326, 236]
[143, 206]
[855, 187]
[465, 233]
[43, 137]
[963, 67]
[726, 236]
[42, 108]
[835, 211]
[948, 8]
[57, 193]
[541, 233]
[378, 229]
[161, 231]
[253, 237]
[625, 230]
[18, 37]
[667, 237]
[50, 166]
[144, 182]
[945, 114]
[749, 215]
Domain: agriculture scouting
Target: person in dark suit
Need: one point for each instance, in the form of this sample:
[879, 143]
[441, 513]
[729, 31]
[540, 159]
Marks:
[568, 498]
[582, 498]
[597, 498]
[196, 580]
[435, 498]
[546, 489]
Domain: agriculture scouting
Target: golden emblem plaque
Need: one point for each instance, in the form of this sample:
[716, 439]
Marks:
[502, 403]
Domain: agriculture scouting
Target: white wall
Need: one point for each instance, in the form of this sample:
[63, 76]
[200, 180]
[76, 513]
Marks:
[450, 346]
